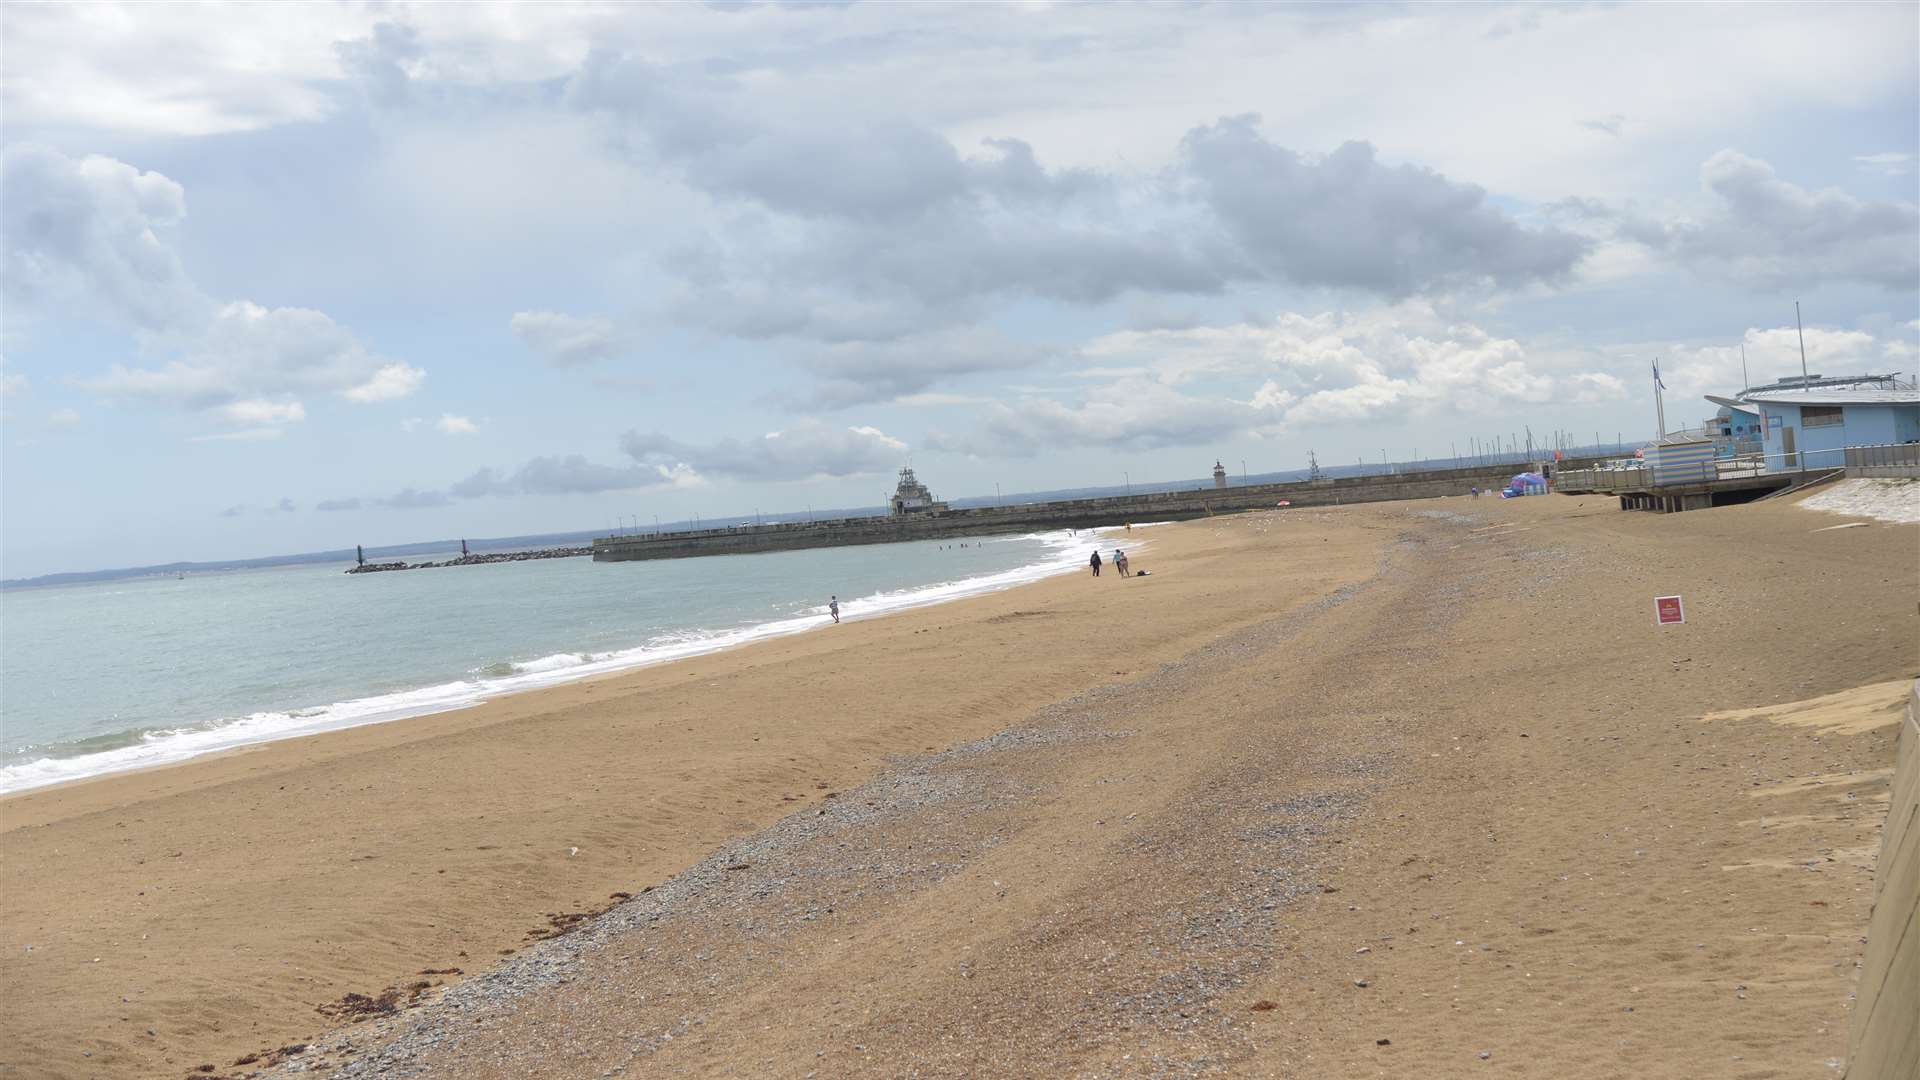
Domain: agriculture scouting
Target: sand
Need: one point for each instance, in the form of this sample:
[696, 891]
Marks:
[1156, 827]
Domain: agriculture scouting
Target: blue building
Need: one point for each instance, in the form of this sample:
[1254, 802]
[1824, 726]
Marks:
[1808, 428]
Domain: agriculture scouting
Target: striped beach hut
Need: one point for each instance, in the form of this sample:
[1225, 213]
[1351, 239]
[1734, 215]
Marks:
[1679, 460]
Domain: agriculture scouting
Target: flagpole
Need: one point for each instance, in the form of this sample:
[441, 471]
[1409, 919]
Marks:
[1659, 405]
[1801, 331]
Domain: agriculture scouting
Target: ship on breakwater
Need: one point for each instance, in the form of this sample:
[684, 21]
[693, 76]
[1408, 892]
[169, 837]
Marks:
[914, 513]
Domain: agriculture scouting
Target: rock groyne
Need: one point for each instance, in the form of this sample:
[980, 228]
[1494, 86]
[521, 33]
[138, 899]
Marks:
[475, 560]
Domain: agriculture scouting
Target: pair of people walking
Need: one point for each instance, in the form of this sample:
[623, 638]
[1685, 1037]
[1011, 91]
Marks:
[1119, 562]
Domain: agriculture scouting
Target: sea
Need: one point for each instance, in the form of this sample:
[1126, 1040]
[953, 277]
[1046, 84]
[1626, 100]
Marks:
[106, 676]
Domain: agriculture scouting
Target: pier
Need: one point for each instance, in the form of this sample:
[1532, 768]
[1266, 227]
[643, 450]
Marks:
[917, 516]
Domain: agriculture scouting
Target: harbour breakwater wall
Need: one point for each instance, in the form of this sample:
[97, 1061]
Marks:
[474, 560]
[1060, 514]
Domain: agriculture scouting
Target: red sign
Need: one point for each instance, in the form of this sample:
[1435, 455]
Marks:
[1667, 609]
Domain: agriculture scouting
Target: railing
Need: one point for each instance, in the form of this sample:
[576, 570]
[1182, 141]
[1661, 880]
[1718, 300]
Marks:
[1890, 456]
[1895, 455]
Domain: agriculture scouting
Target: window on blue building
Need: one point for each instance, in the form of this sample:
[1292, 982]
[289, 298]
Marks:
[1821, 416]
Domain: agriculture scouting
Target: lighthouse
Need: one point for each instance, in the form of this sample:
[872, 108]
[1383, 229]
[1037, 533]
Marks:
[1219, 475]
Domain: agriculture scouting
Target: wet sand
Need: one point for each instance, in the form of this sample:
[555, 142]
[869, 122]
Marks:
[1155, 827]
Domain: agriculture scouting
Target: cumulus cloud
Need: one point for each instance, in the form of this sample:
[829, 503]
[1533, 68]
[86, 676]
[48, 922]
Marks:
[1131, 414]
[1265, 378]
[802, 451]
[1766, 232]
[284, 506]
[256, 434]
[415, 499]
[566, 340]
[857, 372]
[1886, 164]
[387, 383]
[867, 228]
[1348, 220]
[1692, 370]
[88, 232]
[248, 353]
[379, 62]
[263, 412]
[456, 425]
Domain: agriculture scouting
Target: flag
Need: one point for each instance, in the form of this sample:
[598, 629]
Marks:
[1656, 376]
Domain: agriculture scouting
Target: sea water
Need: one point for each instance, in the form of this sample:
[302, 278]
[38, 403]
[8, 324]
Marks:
[122, 674]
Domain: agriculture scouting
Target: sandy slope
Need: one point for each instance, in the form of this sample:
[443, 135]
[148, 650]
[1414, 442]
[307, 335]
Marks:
[1435, 748]
[227, 898]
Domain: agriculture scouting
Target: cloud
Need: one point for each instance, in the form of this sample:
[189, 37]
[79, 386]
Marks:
[87, 232]
[1130, 414]
[263, 412]
[1692, 370]
[390, 382]
[804, 450]
[284, 506]
[63, 419]
[456, 425]
[379, 62]
[1888, 164]
[258, 434]
[566, 340]
[14, 385]
[571, 474]
[1347, 220]
[1765, 232]
[1605, 125]
[857, 372]
[1262, 379]
[248, 353]
[415, 499]
[330, 506]
[867, 229]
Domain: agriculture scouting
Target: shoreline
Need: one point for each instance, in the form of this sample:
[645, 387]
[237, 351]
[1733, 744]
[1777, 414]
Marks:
[178, 746]
[1321, 711]
[305, 869]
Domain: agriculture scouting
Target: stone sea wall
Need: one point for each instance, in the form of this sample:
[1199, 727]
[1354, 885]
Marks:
[1062, 514]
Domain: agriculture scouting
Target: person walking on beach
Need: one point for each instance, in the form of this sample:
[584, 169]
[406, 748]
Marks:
[1120, 561]
[1095, 563]
[833, 607]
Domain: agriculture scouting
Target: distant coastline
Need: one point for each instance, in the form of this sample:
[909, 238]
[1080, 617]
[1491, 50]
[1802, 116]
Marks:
[558, 539]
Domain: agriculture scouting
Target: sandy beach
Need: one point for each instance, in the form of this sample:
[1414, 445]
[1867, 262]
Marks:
[1404, 789]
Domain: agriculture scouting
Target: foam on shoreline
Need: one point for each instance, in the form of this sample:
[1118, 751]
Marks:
[146, 749]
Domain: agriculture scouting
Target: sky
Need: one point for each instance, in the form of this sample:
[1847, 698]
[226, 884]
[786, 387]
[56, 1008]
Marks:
[297, 276]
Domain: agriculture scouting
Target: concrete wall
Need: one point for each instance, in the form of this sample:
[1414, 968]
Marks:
[1883, 1038]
